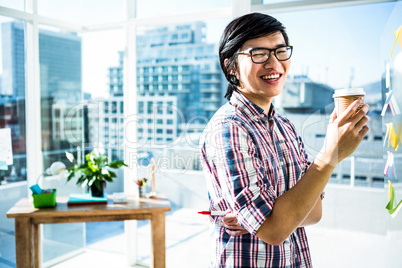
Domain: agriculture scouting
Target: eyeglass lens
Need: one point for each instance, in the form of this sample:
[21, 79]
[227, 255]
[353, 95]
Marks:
[262, 55]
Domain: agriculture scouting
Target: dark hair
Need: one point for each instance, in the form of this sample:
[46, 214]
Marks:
[236, 33]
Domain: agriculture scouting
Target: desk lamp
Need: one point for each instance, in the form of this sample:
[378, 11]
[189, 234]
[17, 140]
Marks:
[55, 169]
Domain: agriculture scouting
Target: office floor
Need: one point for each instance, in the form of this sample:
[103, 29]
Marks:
[187, 237]
[186, 232]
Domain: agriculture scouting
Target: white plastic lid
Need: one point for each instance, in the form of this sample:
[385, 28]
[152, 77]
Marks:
[348, 92]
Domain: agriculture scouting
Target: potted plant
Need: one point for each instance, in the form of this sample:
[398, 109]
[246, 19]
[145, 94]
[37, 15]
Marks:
[95, 172]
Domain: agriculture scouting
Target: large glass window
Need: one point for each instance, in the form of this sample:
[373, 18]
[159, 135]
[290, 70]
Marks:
[13, 173]
[179, 87]
[79, 12]
[18, 4]
[12, 100]
[153, 9]
[338, 48]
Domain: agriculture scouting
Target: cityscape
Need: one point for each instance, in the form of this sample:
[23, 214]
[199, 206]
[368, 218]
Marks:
[180, 86]
[85, 70]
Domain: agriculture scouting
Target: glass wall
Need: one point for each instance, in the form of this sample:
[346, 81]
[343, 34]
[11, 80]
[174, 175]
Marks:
[179, 86]
[155, 9]
[12, 114]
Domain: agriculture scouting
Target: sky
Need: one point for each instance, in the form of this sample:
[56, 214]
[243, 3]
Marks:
[332, 45]
[338, 46]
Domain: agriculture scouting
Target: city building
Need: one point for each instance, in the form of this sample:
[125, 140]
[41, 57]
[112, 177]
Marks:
[60, 84]
[60, 63]
[178, 69]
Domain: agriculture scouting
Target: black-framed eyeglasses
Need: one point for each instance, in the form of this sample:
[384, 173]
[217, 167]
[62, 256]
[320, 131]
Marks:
[261, 55]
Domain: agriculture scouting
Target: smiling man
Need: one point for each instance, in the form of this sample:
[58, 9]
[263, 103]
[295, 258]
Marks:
[255, 162]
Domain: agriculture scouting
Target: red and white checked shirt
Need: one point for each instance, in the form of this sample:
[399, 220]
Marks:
[249, 160]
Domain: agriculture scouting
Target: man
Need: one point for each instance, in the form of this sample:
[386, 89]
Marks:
[254, 160]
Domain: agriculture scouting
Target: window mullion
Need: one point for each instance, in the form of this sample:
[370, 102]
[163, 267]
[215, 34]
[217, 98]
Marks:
[130, 123]
[32, 97]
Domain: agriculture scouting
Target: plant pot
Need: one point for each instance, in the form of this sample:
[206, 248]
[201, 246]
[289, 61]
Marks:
[95, 191]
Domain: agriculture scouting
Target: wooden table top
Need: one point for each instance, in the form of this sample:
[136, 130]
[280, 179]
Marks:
[25, 208]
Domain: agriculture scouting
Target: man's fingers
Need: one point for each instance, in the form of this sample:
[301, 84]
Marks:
[333, 116]
[351, 110]
[229, 218]
[363, 131]
[362, 122]
[234, 227]
[236, 232]
[360, 114]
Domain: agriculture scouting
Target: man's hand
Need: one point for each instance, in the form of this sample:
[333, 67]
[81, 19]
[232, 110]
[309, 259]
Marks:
[233, 228]
[344, 133]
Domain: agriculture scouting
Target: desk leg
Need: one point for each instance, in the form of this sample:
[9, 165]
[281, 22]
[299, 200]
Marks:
[158, 239]
[23, 242]
[37, 255]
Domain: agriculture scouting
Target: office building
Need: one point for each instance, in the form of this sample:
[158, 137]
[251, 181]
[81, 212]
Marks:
[59, 59]
[60, 86]
[175, 66]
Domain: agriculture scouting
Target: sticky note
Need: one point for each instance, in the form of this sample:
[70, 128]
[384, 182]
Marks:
[392, 137]
[389, 166]
[392, 206]
[398, 39]
[391, 102]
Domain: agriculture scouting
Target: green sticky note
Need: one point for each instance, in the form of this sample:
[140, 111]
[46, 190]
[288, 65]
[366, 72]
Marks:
[393, 207]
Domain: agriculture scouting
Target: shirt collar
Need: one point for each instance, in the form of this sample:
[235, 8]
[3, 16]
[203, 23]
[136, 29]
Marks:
[250, 108]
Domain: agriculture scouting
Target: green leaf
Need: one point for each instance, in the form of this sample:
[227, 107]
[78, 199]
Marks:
[70, 176]
[94, 170]
[93, 166]
[117, 164]
[108, 179]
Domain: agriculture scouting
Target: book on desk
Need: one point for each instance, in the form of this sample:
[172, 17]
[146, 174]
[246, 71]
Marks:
[85, 199]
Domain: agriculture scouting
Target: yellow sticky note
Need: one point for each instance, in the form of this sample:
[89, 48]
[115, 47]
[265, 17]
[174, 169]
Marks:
[392, 137]
[399, 36]
[398, 39]
[397, 137]
[389, 190]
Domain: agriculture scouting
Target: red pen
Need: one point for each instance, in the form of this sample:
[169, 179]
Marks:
[213, 213]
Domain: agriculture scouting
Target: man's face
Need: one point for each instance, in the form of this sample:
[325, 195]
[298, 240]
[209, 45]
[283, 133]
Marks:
[261, 82]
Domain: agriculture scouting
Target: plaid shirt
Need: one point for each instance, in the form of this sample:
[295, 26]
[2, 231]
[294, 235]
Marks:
[249, 160]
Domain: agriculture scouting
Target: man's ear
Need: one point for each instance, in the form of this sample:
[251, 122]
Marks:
[232, 72]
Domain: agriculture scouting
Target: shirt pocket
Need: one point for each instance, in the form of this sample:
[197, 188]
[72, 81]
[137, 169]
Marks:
[272, 170]
[293, 163]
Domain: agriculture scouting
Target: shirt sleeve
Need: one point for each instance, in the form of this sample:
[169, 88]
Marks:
[242, 176]
[306, 163]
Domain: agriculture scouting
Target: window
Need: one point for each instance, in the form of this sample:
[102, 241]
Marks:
[140, 107]
[81, 67]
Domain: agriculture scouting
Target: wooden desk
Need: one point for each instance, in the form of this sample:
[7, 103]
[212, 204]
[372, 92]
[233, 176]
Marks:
[27, 220]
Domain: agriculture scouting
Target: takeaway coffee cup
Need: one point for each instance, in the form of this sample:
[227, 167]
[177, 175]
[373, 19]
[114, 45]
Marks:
[344, 97]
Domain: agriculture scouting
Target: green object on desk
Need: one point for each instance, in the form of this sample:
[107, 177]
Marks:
[85, 199]
[45, 200]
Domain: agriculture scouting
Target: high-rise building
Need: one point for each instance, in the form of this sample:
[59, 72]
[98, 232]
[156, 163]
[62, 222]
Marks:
[177, 61]
[13, 77]
[60, 86]
[59, 59]
[179, 81]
